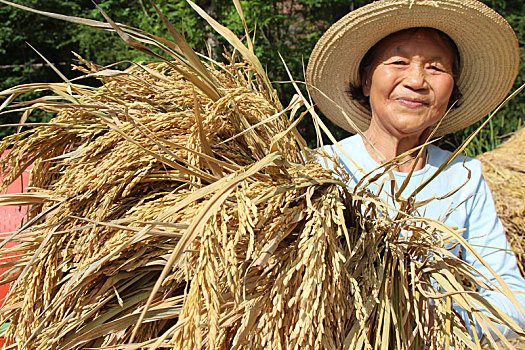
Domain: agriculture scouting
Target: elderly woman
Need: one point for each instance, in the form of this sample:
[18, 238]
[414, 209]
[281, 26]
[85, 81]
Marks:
[401, 71]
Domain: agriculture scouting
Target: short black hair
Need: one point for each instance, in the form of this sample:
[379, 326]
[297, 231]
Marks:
[356, 91]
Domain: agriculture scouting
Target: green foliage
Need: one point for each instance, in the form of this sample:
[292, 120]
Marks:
[290, 28]
[18, 62]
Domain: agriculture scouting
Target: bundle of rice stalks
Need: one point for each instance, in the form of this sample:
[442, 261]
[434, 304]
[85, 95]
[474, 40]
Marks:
[176, 206]
[503, 169]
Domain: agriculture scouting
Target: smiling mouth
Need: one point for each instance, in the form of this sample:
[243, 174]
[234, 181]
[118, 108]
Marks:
[411, 102]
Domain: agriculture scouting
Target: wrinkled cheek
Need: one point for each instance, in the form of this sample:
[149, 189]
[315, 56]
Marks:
[442, 110]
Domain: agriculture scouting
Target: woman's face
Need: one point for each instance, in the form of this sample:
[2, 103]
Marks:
[410, 82]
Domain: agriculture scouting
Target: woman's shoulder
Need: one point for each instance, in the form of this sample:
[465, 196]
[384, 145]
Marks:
[439, 156]
[350, 147]
[459, 167]
[347, 145]
[350, 155]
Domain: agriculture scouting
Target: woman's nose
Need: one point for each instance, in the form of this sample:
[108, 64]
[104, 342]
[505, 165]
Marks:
[415, 77]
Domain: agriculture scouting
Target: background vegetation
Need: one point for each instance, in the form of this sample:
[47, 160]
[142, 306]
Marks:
[288, 27]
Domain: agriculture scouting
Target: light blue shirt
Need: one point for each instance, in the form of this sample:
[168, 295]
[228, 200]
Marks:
[473, 209]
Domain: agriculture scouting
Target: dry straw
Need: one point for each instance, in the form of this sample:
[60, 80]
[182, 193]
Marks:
[176, 206]
[503, 169]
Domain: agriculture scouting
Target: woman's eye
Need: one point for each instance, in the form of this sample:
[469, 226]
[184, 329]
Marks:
[436, 68]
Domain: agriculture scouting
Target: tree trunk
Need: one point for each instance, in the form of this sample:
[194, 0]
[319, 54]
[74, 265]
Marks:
[212, 42]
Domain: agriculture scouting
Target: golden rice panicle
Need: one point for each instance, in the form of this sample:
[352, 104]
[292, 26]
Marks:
[117, 162]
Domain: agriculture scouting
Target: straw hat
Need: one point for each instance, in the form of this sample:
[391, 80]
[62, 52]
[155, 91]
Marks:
[488, 49]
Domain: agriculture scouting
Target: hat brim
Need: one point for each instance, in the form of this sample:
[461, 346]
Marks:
[487, 45]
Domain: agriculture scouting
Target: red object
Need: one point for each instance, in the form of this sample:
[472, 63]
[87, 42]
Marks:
[11, 215]
[10, 219]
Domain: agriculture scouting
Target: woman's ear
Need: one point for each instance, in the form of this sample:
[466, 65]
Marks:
[365, 83]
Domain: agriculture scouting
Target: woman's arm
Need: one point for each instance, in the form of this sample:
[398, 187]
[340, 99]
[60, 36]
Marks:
[486, 234]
